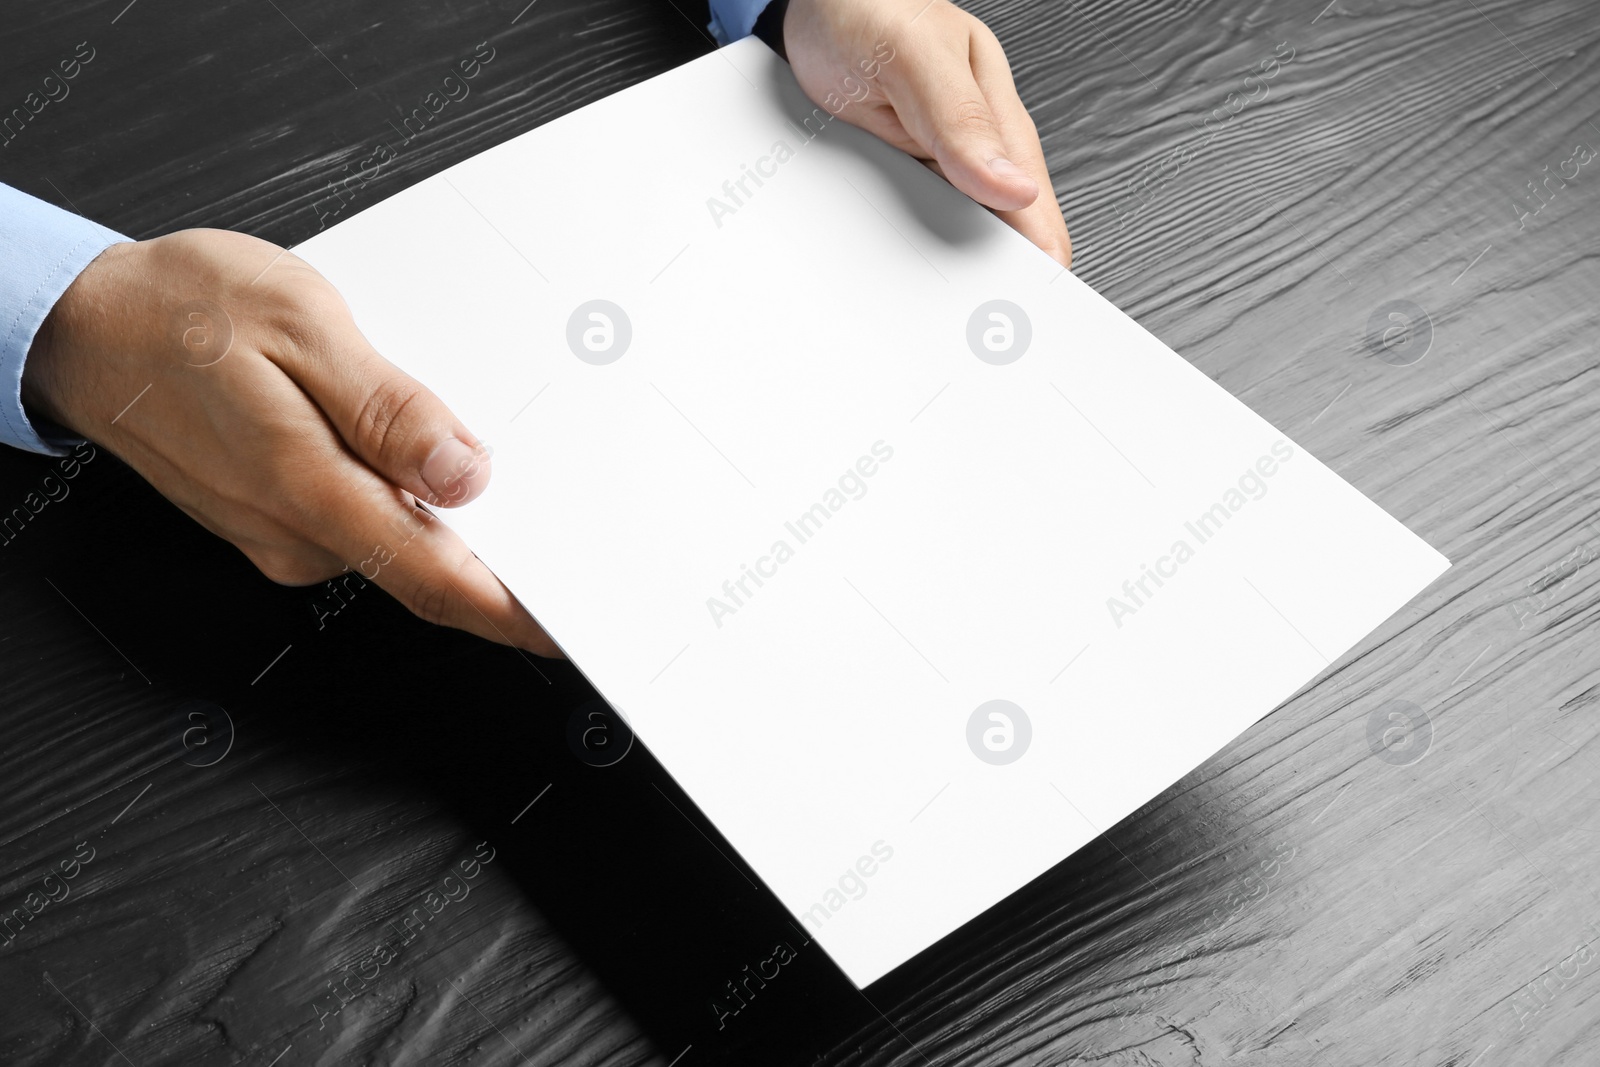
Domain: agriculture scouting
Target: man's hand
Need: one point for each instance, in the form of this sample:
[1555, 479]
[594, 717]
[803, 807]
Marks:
[268, 418]
[933, 81]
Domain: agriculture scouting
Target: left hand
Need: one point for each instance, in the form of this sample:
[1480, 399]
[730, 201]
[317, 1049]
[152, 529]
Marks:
[933, 81]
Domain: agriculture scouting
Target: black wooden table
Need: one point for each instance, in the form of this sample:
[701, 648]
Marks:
[251, 824]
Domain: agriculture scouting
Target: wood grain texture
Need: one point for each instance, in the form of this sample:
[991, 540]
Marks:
[1299, 899]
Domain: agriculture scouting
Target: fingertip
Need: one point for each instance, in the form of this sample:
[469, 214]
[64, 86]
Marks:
[456, 472]
[1060, 252]
[530, 636]
[543, 647]
[1004, 186]
[1048, 239]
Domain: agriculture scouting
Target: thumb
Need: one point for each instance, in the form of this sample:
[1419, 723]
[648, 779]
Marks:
[391, 420]
[940, 105]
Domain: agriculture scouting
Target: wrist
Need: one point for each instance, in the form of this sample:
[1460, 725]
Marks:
[37, 397]
[48, 381]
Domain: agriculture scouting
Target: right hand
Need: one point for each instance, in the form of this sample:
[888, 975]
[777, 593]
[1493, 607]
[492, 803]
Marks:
[301, 445]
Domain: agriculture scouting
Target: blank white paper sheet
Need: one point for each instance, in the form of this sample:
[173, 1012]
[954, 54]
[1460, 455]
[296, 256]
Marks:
[914, 561]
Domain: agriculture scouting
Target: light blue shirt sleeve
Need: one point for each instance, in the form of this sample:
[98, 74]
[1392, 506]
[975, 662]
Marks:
[42, 249]
[732, 20]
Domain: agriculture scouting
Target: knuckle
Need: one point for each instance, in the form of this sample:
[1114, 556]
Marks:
[285, 567]
[430, 600]
[1025, 124]
[305, 310]
[894, 32]
[971, 116]
[380, 421]
[211, 248]
[980, 29]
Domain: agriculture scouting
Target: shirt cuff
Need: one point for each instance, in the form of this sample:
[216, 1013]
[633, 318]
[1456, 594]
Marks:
[44, 249]
[733, 20]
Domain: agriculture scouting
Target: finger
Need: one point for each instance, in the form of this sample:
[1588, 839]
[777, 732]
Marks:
[388, 539]
[385, 416]
[286, 560]
[299, 565]
[941, 106]
[1041, 221]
